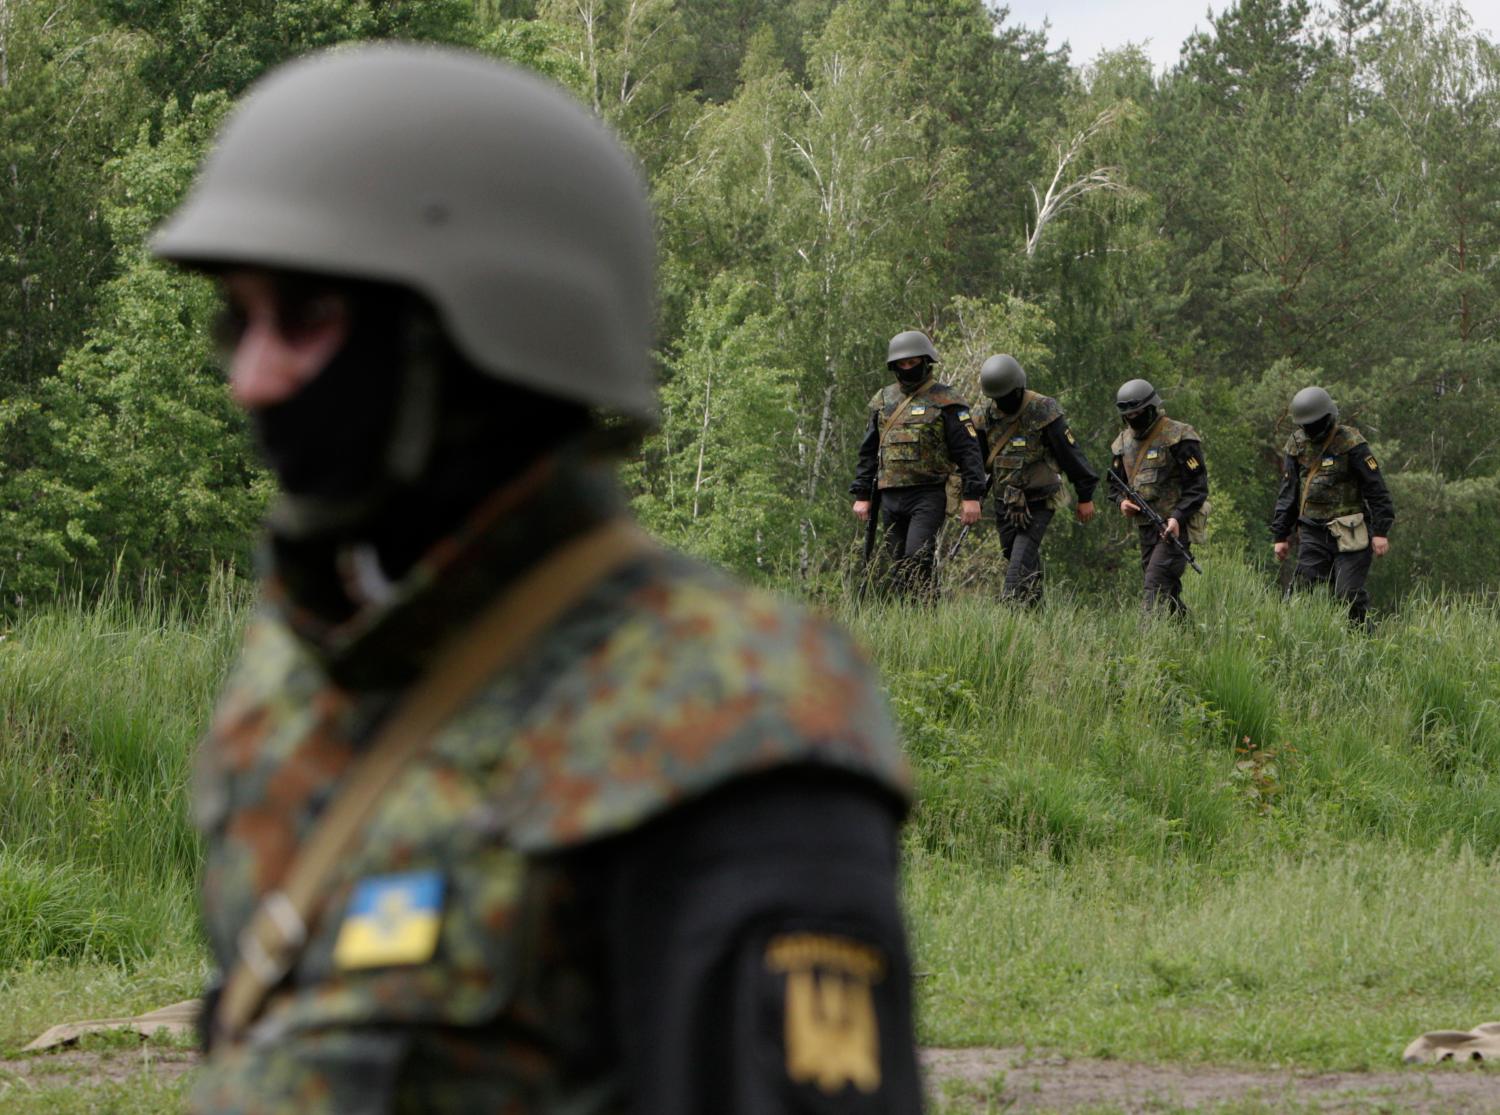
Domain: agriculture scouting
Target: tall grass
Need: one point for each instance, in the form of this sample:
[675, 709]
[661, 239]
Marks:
[1255, 834]
[100, 704]
[1257, 724]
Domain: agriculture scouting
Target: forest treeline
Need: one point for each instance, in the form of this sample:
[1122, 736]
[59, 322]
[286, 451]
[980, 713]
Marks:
[1311, 194]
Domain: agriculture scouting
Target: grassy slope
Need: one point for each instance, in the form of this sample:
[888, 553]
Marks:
[1255, 837]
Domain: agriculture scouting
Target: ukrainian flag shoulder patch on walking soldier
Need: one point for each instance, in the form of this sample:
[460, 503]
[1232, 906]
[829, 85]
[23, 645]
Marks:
[391, 920]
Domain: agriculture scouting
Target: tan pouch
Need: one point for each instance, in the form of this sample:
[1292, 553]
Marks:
[1350, 532]
[1198, 525]
[953, 490]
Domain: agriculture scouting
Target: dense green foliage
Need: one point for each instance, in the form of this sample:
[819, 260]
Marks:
[1310, 194]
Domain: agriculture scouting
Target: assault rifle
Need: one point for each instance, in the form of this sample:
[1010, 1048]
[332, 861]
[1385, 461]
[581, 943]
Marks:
[1153, 517]
[953, 553]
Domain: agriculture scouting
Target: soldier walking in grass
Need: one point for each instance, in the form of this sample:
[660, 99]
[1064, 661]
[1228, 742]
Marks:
[919, 433]
[1333, 493]
[506, 808]
[1026, 441]
[1162, 460]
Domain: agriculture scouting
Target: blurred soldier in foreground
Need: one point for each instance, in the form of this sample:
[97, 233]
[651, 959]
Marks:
[1333, 493]
[506, 808]
[919, 432]
[1025, 439]
[1162, 459]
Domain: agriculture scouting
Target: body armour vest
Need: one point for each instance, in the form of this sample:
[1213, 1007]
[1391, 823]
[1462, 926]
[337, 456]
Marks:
[1024, 461]
[915, 451]
[1334, 491]
[1153, 472]
[664, 682]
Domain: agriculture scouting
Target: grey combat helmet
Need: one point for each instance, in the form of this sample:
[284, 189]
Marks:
[1312, 404]
[1001, 375]
[1136, 395]
[911, 343]
[485, 189]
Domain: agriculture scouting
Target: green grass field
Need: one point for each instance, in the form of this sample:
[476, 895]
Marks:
[1254, 838]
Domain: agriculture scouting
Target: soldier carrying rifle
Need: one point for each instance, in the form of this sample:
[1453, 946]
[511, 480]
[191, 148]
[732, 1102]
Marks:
[1161, 460]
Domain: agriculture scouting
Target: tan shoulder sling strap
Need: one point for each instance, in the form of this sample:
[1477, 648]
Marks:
[275, 936]
[1142, 449]
[1011, 430]
[1314, 469]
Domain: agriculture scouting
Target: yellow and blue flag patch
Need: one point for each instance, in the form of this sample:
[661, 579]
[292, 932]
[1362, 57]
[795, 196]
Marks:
[391, 920]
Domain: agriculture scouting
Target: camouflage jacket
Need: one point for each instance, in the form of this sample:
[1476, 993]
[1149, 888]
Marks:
[1335, 489]
[1155, 474]
[1025, 460]
[663, 683]
[916, 449]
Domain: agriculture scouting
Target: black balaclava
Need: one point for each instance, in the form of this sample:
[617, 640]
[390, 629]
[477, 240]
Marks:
[1317, 431]
[1142, 420]
[913, 377]
[1011, 401]
[392, 445]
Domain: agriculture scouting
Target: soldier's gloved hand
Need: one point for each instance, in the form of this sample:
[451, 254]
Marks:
[1128, 507]
[862, 510]
[968, 512]
[1084, 511]
[1282, 548]
[1017, 512]
[1380, 545]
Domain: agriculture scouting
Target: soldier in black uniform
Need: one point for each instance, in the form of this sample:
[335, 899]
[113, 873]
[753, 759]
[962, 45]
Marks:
[919, 432]
[1162, 459]
[1333, 492]
[1025, 440]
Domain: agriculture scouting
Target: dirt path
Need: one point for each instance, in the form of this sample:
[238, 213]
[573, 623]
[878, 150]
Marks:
[994, 1080]
[985, 1080]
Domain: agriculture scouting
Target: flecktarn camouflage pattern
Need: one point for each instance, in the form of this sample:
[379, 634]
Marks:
[1024, 460]
[665, 682]
[1334, 490]
[1153, 472]
[915, 451]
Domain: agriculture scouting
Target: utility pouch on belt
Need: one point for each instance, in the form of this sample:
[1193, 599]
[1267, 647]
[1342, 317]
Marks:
[1016, 510]
[1350, 532]
[1197, 527]
[953, 493]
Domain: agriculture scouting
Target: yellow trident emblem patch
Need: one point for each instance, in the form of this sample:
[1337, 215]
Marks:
[832, 1037]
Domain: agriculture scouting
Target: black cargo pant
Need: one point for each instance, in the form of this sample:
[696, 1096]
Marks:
[1319, 562]
[1023, 554]
[913, 517]
[1163, 565]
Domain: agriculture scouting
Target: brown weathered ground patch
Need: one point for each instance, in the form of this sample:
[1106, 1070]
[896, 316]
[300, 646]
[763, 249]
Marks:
[96, 1066]
[1021, 1080]
[984, 1080]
